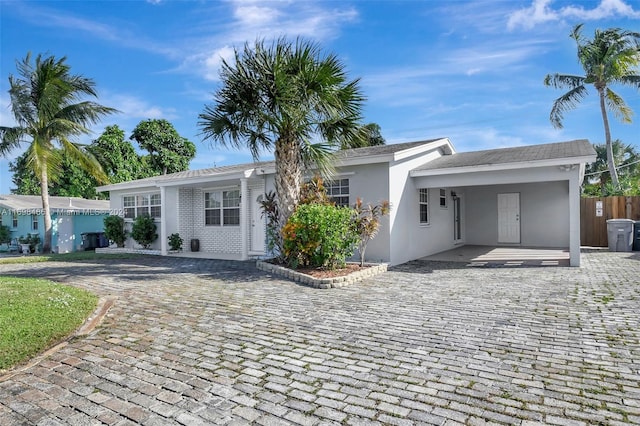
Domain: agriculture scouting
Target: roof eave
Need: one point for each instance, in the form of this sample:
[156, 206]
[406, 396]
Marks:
[504, 166]
[444, 143]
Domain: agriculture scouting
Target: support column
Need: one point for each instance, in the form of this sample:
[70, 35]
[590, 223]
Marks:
[163, 220]
[574, 219]
[244, 219]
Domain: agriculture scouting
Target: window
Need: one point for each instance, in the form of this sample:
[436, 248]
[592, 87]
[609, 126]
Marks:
[338, 191]
[443, 198]
[14, 219]
[222, 208]
[424, 206]
[143, 204]
[34, 222]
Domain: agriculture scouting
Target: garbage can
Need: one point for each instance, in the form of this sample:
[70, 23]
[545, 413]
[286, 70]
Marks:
[195, 244]
[636, 236]
[620, 234]
[89, 240]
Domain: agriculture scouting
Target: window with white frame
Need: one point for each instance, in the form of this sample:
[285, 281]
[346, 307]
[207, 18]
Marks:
[443, 198]
[14, 219]
[338, 191]
[141, 205]
[34, 222]
[424, 206]
[222, 208]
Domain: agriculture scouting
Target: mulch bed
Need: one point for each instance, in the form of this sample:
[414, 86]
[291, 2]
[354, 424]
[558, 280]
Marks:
[328, 273]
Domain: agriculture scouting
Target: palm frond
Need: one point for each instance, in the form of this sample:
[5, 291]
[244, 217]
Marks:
[564, 103]
[84, 159]
[617, 105]
[10, 139]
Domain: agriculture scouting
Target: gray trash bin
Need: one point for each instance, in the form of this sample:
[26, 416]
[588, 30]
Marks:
[620, 234]
[636, 236]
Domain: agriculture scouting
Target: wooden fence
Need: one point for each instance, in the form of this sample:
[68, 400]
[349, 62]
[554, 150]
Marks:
[594, 213]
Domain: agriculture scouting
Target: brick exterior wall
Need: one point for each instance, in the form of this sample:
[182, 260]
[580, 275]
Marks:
[213, 239]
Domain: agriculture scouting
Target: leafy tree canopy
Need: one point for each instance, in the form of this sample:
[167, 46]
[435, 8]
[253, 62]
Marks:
[168, 151]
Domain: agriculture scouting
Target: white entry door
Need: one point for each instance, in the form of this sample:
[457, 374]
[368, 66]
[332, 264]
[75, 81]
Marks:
[509, 218]
[258, 232]
[66, 238]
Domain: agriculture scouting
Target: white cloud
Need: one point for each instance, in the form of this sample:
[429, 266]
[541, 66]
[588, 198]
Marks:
[126, 37]
[606, 9]
[541, 11]
[254, 20]
[213, 62]
[133, 107]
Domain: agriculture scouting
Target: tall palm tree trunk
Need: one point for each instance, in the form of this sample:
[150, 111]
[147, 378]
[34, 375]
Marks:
[288, 176]
[607, 134]
[44, 189]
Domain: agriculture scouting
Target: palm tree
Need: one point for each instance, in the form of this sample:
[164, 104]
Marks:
[47, 105]
[611, 57]
[625, 156]
[368, 135]
[283, 97]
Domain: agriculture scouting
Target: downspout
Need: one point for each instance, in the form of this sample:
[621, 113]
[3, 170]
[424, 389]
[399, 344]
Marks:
[163, 220]
[244, 219]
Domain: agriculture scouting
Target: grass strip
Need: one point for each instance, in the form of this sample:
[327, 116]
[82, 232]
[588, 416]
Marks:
[36, 314]
[65, 257]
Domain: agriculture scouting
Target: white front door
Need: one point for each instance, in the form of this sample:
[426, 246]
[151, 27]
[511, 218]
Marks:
[258, 233]
[509, 218]
[66, 237]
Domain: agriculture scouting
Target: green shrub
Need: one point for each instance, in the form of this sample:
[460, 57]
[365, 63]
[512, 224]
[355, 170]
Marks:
[367, 223]
[114, 230]
[175, 242]
[5, 234]
[144, 231]
[318, 235]
[32, 239]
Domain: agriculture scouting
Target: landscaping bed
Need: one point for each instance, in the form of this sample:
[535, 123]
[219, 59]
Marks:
[324, 278]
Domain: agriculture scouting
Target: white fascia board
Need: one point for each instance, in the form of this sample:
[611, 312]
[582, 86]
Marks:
[126, 185]
[206, 179]
[504, 166]
[177, 182]
[431, 146]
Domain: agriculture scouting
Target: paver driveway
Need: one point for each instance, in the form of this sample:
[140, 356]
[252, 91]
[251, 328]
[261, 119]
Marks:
[213, 342]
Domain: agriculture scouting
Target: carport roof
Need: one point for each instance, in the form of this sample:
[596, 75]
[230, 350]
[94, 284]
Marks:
[580, 148]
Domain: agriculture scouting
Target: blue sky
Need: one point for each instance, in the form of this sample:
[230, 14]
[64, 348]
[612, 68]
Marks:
[468, 70]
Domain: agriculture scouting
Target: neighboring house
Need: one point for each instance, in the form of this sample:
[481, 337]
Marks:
[526, 196]
[70, 217]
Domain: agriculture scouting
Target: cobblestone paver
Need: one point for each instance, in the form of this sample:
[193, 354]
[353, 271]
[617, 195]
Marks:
[196, 342]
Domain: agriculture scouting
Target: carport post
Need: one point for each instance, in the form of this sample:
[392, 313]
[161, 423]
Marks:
[574, 218]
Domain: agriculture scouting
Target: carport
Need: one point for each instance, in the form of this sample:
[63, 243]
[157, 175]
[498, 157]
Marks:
[524, 197]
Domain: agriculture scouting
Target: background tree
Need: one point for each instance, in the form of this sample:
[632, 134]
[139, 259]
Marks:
[47, 107]
[367, 135]
[597, 179]
[118, 156]
[72, 180]
[168, 151]
[283, 97]
[612, 56]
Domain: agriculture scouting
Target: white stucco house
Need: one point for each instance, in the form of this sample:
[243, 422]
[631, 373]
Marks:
[524, 196]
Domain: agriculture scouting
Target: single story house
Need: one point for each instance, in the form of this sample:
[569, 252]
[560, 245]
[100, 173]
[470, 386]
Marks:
[525, 196]
[70, 217]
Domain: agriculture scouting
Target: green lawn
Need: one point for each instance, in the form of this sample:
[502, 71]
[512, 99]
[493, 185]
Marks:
[67, 257]
[36, 314]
